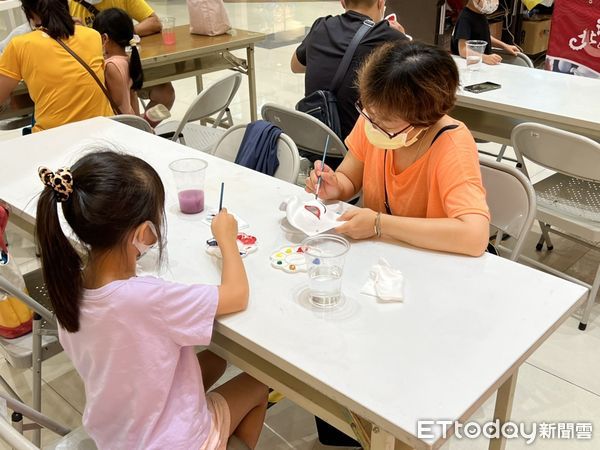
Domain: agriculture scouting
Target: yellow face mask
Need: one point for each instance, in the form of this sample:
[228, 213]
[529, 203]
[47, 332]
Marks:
[381, 140]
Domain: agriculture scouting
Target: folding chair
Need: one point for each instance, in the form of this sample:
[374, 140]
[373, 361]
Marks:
[569, 200]
[134, 121]
[522, 60]
[309, 134]
[215, 99]
[42, 343]
[289, 160]
[511, 199]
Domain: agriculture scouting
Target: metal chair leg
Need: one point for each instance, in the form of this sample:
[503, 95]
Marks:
[36, 366]
[544, 238]
[501, 153]
[590, 301]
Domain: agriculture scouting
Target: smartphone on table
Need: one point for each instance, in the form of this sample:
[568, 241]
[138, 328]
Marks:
[482, 87]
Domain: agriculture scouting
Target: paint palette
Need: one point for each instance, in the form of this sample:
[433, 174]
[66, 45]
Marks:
[290, 259]
[246, 244]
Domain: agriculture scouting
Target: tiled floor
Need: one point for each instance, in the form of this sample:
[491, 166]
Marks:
[560, 382]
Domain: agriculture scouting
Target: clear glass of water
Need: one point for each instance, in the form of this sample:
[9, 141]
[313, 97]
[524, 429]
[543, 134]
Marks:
[325, 255]
[475, 52]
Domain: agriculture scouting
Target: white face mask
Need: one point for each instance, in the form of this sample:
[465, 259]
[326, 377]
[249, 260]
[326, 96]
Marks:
[381, 140]
[140, 246]
[488, 6]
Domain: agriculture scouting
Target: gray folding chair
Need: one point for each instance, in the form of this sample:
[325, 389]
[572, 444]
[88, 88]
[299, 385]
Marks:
[511, 199]
[215, 99]
[522, 60]
[289, 160]
[134, 121]
[569, 200]
[308, 133]
[30, 350]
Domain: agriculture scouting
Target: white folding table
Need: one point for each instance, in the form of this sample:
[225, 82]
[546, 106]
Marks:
[559, 100]
[466, 325]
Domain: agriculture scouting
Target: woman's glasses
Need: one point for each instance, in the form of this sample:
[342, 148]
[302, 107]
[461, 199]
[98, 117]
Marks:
[359, 107]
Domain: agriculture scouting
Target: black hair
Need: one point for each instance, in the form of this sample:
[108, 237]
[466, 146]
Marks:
[54, 16]
[411, 80]
[113, 193]
[118, 26]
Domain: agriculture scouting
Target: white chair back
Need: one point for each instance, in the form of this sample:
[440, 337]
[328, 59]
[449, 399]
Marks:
[289, 160]
[511, 199]
[133, 121]
[557, 150]
[308, 133]
[214, 99]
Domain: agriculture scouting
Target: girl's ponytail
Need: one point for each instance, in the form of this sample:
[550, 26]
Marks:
[135, 67]
[60, 261]
[118, 26]
[103, 197]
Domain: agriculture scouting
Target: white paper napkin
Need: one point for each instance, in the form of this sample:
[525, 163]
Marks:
[385, 283]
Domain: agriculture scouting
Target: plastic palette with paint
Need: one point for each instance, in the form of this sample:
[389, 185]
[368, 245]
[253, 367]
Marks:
[289, 259]
[246, 244]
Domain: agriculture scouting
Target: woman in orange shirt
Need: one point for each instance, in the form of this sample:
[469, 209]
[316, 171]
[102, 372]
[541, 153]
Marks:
[417, 167]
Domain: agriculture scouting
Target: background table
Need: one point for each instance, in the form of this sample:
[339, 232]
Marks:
[559, 100]
[466, 326]
[191, 55]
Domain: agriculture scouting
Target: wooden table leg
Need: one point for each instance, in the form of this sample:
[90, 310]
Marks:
[381, 439]
[251, 81]
[502, 412]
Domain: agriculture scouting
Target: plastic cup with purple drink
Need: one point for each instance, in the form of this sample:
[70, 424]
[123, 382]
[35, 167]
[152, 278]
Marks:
[189, 175]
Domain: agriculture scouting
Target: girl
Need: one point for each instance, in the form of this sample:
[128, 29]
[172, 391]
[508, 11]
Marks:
[132, 338]
[124, 75]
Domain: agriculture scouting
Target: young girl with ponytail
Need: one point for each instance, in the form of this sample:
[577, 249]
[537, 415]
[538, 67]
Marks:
[123, 72]
[132, 338]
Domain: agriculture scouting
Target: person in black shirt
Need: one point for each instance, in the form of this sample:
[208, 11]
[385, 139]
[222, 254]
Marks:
[322, 50]
[472, 24]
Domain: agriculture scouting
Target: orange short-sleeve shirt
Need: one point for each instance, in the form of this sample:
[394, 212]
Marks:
[444, 182]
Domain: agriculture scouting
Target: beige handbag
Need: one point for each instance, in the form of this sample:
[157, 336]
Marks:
[208, 17]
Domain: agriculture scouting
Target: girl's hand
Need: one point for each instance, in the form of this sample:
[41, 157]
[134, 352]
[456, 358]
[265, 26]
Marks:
[224, 228]
[512, 49]
[492, 59]
[330, 188]
[360, 223]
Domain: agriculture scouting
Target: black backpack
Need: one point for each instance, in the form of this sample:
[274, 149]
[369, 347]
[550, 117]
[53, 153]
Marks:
[322, 104]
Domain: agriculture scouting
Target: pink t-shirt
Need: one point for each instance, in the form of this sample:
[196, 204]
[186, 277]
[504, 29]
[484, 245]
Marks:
[134, 351]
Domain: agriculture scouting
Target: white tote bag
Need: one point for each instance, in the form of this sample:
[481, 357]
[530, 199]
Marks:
[208, 17]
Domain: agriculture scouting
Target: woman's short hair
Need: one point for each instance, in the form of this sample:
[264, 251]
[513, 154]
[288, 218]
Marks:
[412, 81]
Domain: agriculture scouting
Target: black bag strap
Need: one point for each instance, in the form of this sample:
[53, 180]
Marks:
[386, 202]
[349, 54]
[114, 107]
[91, 8]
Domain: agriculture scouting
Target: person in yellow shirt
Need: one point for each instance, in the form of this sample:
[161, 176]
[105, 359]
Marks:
[147, 23]
[61, 88]
[147, 20]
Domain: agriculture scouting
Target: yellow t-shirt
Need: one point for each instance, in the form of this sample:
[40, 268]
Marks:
[137, 9]
[62, 89]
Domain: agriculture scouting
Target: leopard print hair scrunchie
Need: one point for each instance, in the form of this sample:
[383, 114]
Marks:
[61, 181]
